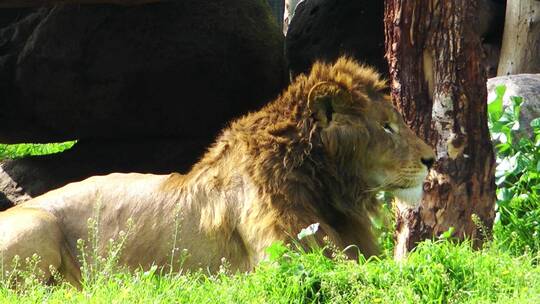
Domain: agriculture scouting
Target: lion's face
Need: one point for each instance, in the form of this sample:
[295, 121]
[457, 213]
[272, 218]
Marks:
[369, 140]
[397, 160]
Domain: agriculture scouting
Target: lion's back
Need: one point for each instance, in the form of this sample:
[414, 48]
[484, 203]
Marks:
[116, 197]
[92, 190]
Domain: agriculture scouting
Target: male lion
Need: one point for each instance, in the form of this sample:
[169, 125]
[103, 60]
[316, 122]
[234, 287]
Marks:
[317, 154]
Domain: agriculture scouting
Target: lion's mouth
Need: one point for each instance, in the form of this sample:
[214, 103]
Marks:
[410, 196]
[398, 187]
[410, 190]
[406, 187]
[408, 183]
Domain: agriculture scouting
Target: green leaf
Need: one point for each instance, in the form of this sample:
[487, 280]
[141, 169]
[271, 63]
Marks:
[500, 90]
[535, 123]
[496, 127]
[505, 194]
[447, 234]
[507, 131]
[495, 107]
[276, 251]
[516, 100]
[503, 148]
[524, 143]
[495, 110]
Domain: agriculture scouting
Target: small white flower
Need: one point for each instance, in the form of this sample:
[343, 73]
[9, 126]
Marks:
[310, 230]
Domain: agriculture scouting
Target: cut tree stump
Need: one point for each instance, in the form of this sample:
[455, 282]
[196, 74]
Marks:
[520, 51]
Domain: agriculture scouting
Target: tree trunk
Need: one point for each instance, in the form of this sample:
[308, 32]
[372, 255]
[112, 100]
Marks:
[521, 40]
[37, 3]
[439, 86]
[290, 6]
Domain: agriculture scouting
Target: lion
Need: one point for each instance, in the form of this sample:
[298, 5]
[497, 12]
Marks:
[317, 154]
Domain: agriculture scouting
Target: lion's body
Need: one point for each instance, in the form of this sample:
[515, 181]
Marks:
[115, 198]
[315, 155]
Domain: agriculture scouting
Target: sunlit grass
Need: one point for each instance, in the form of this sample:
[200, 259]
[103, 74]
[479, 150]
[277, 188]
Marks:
[436, 272]
[23, 150]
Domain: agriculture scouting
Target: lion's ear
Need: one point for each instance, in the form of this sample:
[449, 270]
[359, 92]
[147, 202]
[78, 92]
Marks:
[325, 98]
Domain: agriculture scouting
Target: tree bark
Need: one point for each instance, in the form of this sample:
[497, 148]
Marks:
[288, 14]
[521, 39]
[439, 86]
[38, 3]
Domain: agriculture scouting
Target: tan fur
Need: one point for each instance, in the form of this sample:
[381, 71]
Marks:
[317, 154]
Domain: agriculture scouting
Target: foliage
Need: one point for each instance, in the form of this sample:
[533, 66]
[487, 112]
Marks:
[436, 272]
[22, 150]
[517, 225]
[95, 267]
[384, 224]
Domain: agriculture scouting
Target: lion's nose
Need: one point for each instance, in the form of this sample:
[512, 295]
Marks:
[428, 162]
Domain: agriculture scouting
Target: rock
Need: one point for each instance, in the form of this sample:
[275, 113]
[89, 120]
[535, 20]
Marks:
[326, 29]
[526, 86]
[22, 179]
[12, 41]
[10, 192]
[8, 16]
[169, 70]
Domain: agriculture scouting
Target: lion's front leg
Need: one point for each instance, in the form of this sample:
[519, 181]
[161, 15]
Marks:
[25, 233]
[300, 231]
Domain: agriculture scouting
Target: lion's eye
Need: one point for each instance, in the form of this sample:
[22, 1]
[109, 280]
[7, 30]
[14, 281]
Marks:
[388, 128]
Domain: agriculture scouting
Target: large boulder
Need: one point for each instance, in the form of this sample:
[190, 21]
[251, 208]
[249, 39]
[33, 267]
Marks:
[8, 16]
[326, 29]
[174, 69]
[526, 86]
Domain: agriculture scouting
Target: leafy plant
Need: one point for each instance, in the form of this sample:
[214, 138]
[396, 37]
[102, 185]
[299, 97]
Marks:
[517, 175]
[384, 224]
[96, 265]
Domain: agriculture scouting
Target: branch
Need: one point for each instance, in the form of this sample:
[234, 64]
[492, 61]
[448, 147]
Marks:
[38, 3]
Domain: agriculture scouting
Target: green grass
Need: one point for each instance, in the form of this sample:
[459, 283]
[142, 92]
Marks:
[436, 272]
[23, 150]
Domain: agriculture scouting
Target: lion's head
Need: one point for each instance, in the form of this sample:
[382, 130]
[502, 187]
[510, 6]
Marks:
[362, 132]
